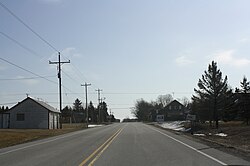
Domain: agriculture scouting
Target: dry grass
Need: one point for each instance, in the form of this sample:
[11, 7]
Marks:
[238, 135]
[9, 137]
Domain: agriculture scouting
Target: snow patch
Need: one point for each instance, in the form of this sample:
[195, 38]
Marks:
[176, 125]
[221, 134]
[91, 126]
[200, 135]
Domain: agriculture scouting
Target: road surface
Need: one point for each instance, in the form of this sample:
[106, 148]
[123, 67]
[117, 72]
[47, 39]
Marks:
[117, 144]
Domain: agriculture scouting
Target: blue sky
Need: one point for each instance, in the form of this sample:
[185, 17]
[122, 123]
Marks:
[130, 49]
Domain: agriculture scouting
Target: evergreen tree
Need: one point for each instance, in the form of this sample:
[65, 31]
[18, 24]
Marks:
[77, 105]
[213, 90]
[245, 85]
[103, 112]
[244, 100]
[92, 113]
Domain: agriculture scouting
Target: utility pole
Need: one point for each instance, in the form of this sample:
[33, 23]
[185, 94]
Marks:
[60, 80]
[86, 91]
[99, 99]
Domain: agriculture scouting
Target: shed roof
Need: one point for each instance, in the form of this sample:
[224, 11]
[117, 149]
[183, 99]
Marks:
[41, 103]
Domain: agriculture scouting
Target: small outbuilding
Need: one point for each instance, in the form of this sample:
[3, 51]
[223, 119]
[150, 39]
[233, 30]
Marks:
[31, 114]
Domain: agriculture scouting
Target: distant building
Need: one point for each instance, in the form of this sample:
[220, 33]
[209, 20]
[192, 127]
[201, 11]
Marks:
[175, 111]
[30, 114]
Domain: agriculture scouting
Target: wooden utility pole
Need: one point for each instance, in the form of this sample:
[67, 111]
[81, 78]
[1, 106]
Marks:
[99, 99]
[87, 112]
[60, 81]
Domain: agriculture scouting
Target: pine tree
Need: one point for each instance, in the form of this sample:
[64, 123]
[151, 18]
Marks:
[213, 90]
[92, 113]
[77, 105]
[243, 97]
[245, 85]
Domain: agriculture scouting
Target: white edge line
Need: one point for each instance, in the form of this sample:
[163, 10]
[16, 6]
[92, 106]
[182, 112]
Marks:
[198, 151]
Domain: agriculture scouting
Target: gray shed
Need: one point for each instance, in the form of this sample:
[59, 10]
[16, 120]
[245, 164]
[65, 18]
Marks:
[31, 114]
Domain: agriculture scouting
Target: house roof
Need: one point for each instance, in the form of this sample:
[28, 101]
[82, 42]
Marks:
[175, 101]
[41, 103]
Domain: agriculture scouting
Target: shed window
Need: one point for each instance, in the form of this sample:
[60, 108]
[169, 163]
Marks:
[20, 117]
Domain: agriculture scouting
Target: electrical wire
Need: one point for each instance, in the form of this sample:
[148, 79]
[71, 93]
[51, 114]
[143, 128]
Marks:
[27, 26]
[70, 77]
[80, 75]
[27, 70]
[30, 50]
[34, 32]
[26, 78]
[21, 45]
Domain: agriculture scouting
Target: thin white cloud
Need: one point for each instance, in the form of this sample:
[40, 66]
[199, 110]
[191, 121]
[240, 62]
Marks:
[227, 57]
[244, 40]
[183, 61]
[66, 54]
[71, 52]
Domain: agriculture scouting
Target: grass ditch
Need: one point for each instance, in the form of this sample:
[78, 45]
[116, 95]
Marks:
[10, 137]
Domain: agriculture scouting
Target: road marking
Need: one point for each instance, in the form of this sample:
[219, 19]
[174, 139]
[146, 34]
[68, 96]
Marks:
[198, 151]
[100, 153]
[101, 148]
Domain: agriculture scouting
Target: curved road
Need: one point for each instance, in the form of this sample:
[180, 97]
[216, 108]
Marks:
[117, 144]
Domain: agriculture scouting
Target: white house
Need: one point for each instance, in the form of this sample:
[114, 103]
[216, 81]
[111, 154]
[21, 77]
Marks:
[30, 114]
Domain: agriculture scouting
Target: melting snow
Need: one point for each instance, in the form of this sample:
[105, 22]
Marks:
[200, 135]
[94, 126]
[176, 125]
[221, 135]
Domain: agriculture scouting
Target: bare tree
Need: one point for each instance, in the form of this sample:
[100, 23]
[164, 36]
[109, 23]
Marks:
[164, 100]
[185, 101]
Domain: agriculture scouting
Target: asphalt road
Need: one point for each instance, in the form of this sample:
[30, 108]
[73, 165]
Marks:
[117, 144]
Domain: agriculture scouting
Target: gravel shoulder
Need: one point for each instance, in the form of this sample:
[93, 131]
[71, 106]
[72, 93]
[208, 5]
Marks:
[236, 141]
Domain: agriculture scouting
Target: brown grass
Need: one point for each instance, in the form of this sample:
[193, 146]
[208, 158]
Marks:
[9, 137]
[238, 135]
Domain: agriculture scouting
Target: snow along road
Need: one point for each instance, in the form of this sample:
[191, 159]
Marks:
[117, 144]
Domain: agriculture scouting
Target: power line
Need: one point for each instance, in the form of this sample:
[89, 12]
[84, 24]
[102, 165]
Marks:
[27, 69]
[69, 77]
[27, 26]
[33, 31]
[33, 73]
[21, 45]
[26, 78]
[79, 73]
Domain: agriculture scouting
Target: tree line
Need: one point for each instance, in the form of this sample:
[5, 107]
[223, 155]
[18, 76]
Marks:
[4, 109]
[77, 114]
[214, 100]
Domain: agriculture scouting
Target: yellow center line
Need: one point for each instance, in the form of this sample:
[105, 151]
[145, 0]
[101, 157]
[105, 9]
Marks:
[100, 153]
[98, 149]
